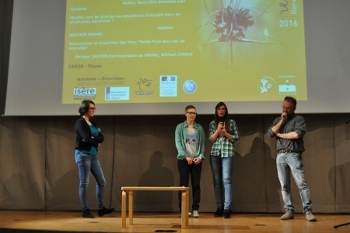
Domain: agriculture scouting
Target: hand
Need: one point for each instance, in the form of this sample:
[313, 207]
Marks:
[189, 160]
[222, 130]
[197, 160]
[284, 116]
[220, 126]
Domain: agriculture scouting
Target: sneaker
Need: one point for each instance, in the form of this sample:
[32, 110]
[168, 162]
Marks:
[218, 213]
[226, 214]
[87, 214]
[310, 217]
[195, 214]
[104, 211]
[287, 215]
[189, 213]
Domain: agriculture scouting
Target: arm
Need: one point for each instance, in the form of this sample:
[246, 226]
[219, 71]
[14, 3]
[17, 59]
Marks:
[201, 145]
[289, 136]
[298, 131]
[276, 126]
[235, 133]
[84, 133]
[214, 132]
[99, 138]
[224, 133]
[182, 153]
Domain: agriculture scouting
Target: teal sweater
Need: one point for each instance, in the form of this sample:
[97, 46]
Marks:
[180, 138]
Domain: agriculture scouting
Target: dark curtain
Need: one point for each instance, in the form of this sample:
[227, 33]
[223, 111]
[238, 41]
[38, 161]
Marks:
[37, 168]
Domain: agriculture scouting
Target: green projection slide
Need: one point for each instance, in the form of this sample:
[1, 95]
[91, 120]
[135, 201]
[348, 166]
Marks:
[158, 51]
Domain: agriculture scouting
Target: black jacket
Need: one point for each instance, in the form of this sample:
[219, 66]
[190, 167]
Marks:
[83, 140]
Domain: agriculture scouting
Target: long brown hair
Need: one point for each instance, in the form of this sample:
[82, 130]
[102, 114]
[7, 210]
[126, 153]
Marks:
[226, 117]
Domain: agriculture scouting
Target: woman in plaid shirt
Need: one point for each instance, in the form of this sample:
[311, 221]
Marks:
[223, 133]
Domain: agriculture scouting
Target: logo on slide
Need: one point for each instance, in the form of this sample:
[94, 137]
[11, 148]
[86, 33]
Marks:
[82, 91]
[117, 93]
[144, 83]
[189, 86]
[168, 86]
[265, 84]
[287, 88]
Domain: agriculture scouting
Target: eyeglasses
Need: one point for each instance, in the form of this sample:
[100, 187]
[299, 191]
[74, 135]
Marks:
[192, 113]
[93, 109]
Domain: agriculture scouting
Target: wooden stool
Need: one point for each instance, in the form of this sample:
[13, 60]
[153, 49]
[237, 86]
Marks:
[130, 190]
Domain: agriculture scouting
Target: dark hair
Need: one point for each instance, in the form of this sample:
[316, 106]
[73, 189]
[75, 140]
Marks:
[226, 117]
[84, 106]
[291, 100]
[189, 107]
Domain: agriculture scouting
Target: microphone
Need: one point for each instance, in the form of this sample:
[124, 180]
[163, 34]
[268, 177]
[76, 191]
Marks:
[347, 121]
[221, 121]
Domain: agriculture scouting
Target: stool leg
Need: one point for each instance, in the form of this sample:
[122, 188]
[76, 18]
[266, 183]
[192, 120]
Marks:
[184, 209]
[187, 205]
[131, 207]
[123, 209]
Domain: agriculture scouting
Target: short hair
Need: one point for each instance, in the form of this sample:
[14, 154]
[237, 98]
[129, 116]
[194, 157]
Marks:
[189, 107]
[291, 100]
[84, 106]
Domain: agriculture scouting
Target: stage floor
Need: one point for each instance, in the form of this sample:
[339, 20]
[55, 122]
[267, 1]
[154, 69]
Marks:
[71, 221]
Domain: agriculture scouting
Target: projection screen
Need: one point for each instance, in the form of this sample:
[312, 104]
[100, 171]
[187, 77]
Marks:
[157, 56]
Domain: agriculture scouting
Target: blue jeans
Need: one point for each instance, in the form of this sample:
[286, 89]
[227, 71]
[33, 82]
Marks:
[222, 168]
[195, 170]
[89, 163]
[288, 163]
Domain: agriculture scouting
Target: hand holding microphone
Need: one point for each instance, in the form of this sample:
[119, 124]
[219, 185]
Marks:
[221, 126]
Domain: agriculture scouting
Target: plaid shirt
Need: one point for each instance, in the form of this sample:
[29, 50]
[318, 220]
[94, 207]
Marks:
[222, 146]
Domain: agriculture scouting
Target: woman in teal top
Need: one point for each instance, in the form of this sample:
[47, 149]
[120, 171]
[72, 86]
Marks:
[189, 141]
[88, 139]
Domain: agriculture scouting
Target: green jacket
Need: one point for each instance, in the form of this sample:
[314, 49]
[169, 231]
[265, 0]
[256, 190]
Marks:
[180, 138]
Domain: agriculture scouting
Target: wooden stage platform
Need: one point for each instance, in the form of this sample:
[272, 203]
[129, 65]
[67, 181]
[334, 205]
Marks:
[71, 221]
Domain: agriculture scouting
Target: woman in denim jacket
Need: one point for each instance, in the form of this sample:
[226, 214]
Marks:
[189, 141]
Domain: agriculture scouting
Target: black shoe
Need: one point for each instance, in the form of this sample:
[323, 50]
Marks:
[218, 213]
[104, 211]
[227, 214]
[87, 214]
